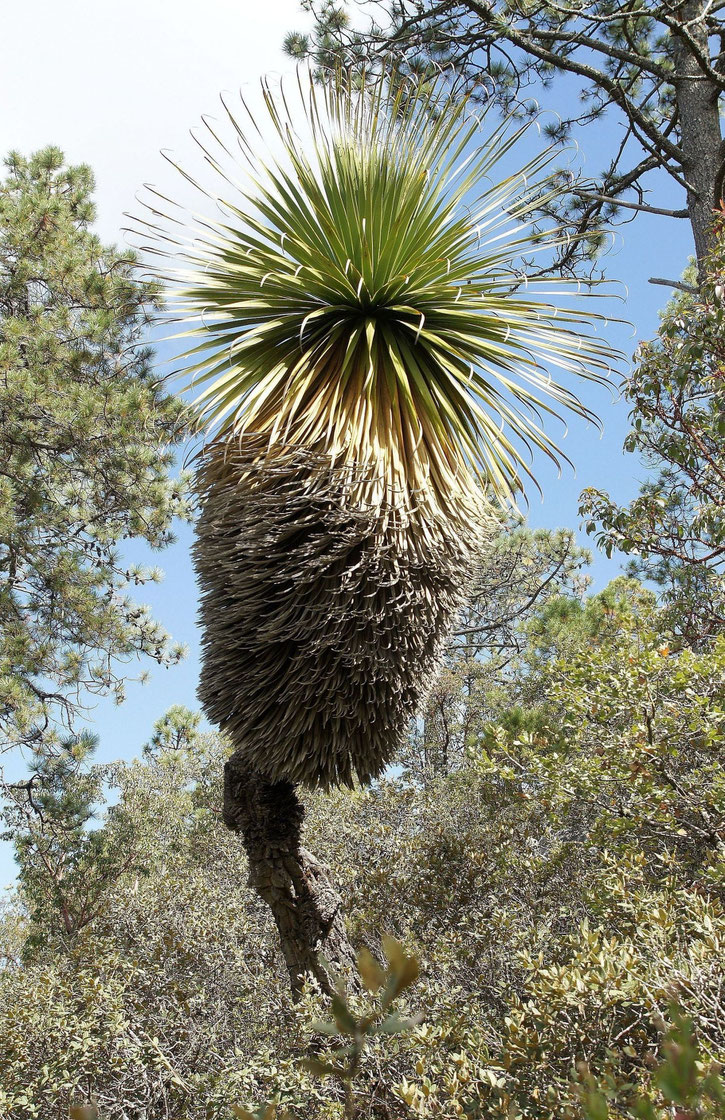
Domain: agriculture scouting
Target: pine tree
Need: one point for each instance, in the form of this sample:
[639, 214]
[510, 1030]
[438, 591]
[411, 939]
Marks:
[86, 430]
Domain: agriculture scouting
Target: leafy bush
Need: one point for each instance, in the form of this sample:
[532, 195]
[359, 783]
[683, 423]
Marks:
[561, 881]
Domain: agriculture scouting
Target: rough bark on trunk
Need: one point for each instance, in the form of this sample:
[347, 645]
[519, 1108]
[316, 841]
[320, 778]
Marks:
[297, 887]
[699, 122]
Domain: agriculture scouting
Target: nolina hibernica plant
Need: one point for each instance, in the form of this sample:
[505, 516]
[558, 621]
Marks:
[371, 364]
[369, 356]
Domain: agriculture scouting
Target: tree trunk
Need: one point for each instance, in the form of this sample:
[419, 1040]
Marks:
[297, 887]
[699, 122]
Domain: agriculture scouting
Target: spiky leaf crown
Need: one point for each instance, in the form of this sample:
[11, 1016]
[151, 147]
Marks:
[360, 296]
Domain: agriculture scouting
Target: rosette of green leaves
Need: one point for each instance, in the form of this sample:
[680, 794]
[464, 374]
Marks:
[372, 288]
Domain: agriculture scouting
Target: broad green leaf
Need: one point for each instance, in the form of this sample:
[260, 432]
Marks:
[370, 971]
[344, 1018]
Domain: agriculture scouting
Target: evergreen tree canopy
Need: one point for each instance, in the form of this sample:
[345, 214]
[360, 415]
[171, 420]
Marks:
[86, 431]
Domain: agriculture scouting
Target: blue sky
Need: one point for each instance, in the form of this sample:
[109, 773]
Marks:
[113, 84]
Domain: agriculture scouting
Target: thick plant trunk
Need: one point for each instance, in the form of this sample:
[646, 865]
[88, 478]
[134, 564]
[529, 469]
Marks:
[297, 887]
[699, 119]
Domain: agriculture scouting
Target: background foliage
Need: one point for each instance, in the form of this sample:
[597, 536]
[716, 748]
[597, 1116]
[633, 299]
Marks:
[86, 435]
[559, 875]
